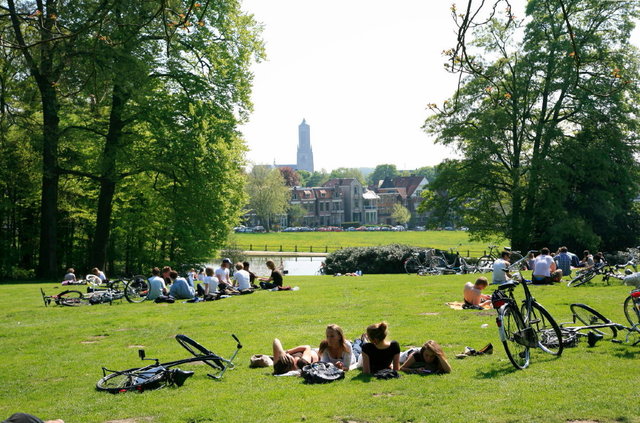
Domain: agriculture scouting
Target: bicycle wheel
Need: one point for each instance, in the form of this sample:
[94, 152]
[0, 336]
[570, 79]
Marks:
[581, 279]
[138, 379]
[485, 263]
[588, 317]
[549, 333]
[438, 263]
[198, 350]
[136, 290]
[632, 311]
[70, 298]
[412, 265]
[513, 335]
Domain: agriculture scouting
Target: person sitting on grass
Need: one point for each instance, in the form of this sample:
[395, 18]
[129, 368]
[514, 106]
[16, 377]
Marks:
[336, 349]
[157, 286]
[70, 276]
[252, 276]
[473, 295]
[99, 273]
[430, 358]
[296, 358]
[180, 287]
[275, 280]
[28, 418]
[544, 271]
[242, 278]
[500, 267]
[379, 353]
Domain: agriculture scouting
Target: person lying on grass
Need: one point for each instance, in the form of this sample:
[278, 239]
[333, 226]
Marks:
[335, 349]
[293, 359]
[473, 295]
[430, 357]
[379, 353]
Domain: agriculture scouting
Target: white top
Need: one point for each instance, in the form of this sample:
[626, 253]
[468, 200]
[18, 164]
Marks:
[542, 265]
[156, 287]
[347, 358]
[243, 279]
[222, 274]
[101, 275]
[499, 275]
[212, 281]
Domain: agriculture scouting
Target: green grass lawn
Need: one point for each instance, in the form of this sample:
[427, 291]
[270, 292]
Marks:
[336, 240]
[52, 357]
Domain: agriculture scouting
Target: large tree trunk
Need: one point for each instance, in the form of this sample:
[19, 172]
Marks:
[109, 177]
[48, 264]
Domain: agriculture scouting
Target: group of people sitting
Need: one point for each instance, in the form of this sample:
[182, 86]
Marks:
[372, 352]
[70, 277]
[209, 283]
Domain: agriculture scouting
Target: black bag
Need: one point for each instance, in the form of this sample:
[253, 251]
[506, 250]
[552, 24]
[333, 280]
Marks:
[499, 298]
[321, 373]
[386, 374]
[165, 299]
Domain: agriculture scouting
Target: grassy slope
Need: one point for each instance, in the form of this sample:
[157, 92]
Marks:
[52, 357]
[435, 239]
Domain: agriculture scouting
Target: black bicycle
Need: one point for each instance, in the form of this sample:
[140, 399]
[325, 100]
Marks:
[136, 289]
[525, 327]
[107, 293]
[159, 375]
[597, 327]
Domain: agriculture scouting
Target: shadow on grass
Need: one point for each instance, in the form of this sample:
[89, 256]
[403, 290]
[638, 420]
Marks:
[362, 377]
[495, 370]
[629, 352]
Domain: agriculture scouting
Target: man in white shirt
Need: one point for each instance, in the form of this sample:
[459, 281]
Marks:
[500, 267]
[222, 274]
[157, 286]
[242, 277]
[544, 268]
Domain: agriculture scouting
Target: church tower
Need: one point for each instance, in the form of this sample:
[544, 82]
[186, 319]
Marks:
[305, 154]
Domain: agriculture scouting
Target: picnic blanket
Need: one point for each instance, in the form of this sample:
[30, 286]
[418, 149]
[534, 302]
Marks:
[457, 305]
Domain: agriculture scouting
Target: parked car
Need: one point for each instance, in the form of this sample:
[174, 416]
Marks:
[398, 228]
[420, 228]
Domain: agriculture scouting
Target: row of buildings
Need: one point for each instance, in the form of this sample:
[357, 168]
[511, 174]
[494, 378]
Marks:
[346, 201]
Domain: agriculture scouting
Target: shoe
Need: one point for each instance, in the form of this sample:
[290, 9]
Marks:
[487, 349]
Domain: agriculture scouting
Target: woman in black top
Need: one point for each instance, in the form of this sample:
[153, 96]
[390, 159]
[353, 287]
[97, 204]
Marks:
[379, 354]
[274, 280]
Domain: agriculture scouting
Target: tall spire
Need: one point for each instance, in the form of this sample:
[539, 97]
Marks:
[305, 153]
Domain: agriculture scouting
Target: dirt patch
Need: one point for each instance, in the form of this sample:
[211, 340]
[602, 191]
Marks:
[384, 394]
[121, 330]
[136, 346]
[583, 421]
[428, 314]
[132, 420]
[486, 313]
[98, 336]
[88, 342]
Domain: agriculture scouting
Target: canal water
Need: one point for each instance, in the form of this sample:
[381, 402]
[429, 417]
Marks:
[295, 266]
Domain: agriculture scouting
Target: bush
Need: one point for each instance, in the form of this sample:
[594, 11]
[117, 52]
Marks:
[382, 259]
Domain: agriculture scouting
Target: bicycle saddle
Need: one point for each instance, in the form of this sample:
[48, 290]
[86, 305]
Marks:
[507, 285]
[179, 376]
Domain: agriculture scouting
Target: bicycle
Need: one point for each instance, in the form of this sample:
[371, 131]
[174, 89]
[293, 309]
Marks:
[74, 298]
[459, 264]
[520, 328]
[589, 273]
[599, 327]
[632, 308]
[485, 263]
[160, 375]
[415, 265]
[136, 289]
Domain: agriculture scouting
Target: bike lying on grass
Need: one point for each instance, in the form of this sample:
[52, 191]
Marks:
[525, 327]
[598, 327]
[160, 375]
[134, 290]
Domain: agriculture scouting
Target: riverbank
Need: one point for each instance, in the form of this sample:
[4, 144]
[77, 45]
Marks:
[282, 254]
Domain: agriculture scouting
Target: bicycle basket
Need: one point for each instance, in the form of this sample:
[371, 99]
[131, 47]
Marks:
[499, 298]
[549, 339]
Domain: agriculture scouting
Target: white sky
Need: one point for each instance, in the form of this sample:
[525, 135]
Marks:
[361, 72]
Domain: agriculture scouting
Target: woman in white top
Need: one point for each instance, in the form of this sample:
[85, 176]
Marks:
[335, 349]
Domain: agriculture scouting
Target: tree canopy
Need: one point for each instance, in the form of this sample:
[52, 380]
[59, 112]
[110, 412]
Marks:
[545, 110]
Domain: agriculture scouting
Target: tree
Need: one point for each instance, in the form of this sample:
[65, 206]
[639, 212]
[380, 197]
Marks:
[400, 214]
[428, 172]
[551, 76]
[296, 214]
[344, 172]
[291, 177]
[268, 194]
[315, 179]
[383, 171]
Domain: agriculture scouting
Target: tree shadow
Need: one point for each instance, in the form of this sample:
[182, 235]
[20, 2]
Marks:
[630, 352]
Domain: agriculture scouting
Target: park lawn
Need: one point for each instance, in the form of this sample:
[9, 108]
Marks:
[331, 241]
[52, 357]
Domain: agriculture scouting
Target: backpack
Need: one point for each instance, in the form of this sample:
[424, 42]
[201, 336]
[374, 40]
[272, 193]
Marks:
[499, 298]
[321, 373]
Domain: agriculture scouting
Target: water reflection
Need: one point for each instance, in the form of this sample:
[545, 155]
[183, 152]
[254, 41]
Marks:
[295, 266]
